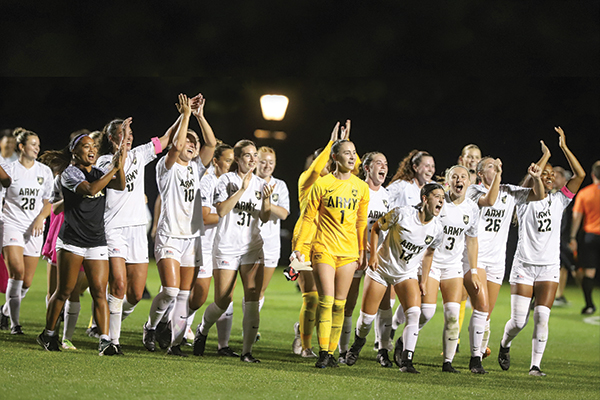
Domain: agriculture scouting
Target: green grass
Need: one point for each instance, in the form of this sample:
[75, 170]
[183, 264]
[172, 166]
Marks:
[572, 360]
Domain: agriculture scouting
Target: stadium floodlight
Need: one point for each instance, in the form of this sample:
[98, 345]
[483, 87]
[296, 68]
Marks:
[273, 106]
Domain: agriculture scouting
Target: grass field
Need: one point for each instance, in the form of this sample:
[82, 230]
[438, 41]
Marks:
[572, 360]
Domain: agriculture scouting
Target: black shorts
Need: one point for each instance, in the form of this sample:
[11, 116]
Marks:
[589, 251]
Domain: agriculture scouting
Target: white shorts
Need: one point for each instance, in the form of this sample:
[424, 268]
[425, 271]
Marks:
[233, 262]
[32, 245]
[186, 251]
[271, 262]
[380, 276]
[447, 271]
[527, 274]
[206, 269]
[495, 273]
[88, 253]
[128, 242]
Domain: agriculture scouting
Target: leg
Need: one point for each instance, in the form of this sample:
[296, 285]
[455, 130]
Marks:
[117, 280]
[72, 309]
[409, 294]
[13, 256]
[136, 282]
[168, 269]
[68, 271]
[544, 298]
[308, 311]
[97, 275]
[479, 300]
[180, 311]
[428, 302]
[51, 273]
[252, 276]
[452, 295]
[348, 310]
[343, 281]
[520, 298]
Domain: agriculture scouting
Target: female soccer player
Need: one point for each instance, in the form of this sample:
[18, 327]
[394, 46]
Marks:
[536, 266]
[413, 233]
[341, 202]
[26, 207]
[469, 158]
[82, 237]
[243, 201]
[177, 245]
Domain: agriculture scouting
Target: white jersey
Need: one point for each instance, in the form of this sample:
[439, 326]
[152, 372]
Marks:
[458, 220]
[181, 210]
[539, 229]
[24, 198]
[494, 222]
[207, 192]
[4, 164]
[378, 207]
[238, 232]
[406, 240]
[404, 193]
[125, 207]
[271, 231]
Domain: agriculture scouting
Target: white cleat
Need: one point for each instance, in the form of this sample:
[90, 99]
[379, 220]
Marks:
[308, 353]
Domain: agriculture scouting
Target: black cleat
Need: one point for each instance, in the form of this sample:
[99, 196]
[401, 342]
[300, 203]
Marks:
[4, 320]
[535, 371]
[342, 357]
[163, 335]
[383, 359]
[323, 359]
[176, 351]
[376, 346]
[248, 358]
[199, 343]
[354, 350]
[149, 338]
[476, 367]
[16, 330]
[119, 350]
[93, 332]
[49, 343]
[588, 310]
[504, 358]
[331, 362]
[407, 364]
[106, 348]
[227, 352]
[447, 367]
[398, 352]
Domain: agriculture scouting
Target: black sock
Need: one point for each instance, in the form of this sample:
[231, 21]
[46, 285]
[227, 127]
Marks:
[588, 284]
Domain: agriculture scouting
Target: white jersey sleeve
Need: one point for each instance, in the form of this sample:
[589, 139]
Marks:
[457, 220]
[271, 231]
[207, 190]
[378, 207]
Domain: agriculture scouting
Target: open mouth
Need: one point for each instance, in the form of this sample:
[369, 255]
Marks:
[438, 208]
[381, 174]
[459, 187]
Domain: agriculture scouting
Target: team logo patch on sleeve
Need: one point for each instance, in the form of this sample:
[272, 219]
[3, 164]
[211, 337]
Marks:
[275, 196]
[504, 199]
[466, 219]
[428, 239]
[135, 160]
[40, 179]
[258, 194]
[385, 203]
[354, 192]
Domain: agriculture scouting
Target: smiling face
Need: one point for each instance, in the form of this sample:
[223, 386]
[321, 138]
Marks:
[548, 177]
[189, 149]
[377, 170]
[31, 148]
[425, 170]
[470, 158]
[248, 159]
[266, 164]
[85, 152]
[433, 202]
[458, 181]
[488, 172]
[118, 135]
[345, 157]
[223, 164]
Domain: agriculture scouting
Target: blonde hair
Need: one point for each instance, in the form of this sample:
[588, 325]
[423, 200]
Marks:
[266, 149]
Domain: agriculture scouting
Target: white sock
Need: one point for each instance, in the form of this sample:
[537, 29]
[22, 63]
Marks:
[541, 316]
[346, 335]
[392, 302]
[71, 315]
[261, 302]
[486, 337]
[13, 300]
[427, 312]
[364, 323]
[190, 318]
[451, 328]
[115, 306]
[250, 325]
[179, 317]
[104, 337]
[24, 292]
[224, 324]
[399, 317]
[411, 330]
[160, 304]
[211, 315]
[383, 320]
[519, 314]
[127, 309]
[476, 330]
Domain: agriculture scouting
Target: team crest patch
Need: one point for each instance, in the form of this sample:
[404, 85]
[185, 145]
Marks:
[40, 179]
[466, 219]
[428, 239]
[189, 169]
[385, 203]
[135, 160]
[504, 199]
[258, 194]
[275, 196]
[354, 192]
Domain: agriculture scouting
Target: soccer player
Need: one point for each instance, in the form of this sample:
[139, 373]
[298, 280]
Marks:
[340, 200]
[536, 266]
[26, 207]
[469, 158]
[567, 261]
[243, 201]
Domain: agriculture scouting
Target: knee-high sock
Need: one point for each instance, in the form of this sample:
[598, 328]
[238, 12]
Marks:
[461, 317]
[346, 334]
[486, 337]
[224, 324]
[476, 330]
[384, 321]
[210, 316]
[411, 330]
[364, 323]
[179, 317]
[261, 303]
[127, 309]
[519, 314]
[427, 312]
[24, 291]
[167, 315]
[13, 300]
[337, 320]
[541, 316]
[399, 317]
[250, 325]
[450, 335]
[324, 315]
[160, 304]
[587, 284]
[190, 318]
[115, 306]
[376, 328]
[308, 317]
[71, 315]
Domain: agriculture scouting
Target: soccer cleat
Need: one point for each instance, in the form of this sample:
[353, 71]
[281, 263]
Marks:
[4, 320]
[504, 358]
[49, 343]
[92, 332]
[176, 351]
[323, 359]
[189, 334]
[383, 358]
[447, 367]
[398, 352]
[476, 367]
[248, 358]
[407, 364]
[68, 345]
[535, 371]
[16, 330]
[342, 357]
[297, 343]
[163, 335]
[560, 302]
[376, 346]
[308, 353]
[106, 348]
[199, 343]
[486, 353]
[331, 362]
[148, 338]
[588, 310]
[119, 350]
[227, 352]
[354, 350]
[257, 338]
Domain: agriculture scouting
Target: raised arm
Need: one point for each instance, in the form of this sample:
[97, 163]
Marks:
[489, 199]
[4, 178]
[170, 133]
[314, 171]
[538, 191]
[541, 163]
[179, 139]
[578, 172]
[208, 136]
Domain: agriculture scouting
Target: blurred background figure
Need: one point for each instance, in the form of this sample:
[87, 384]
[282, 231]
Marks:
[567, 262]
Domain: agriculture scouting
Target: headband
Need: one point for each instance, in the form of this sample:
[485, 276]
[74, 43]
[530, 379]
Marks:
[75, 141]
